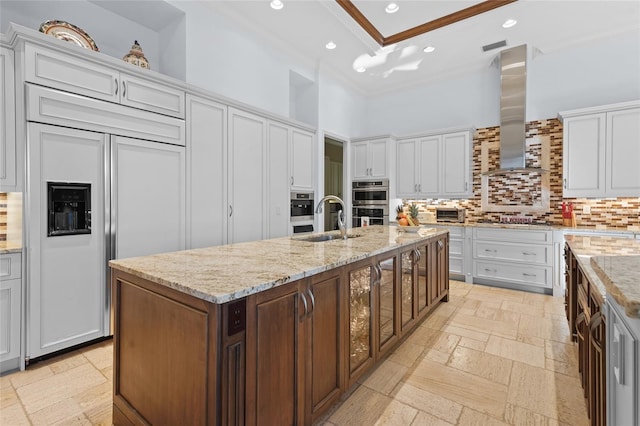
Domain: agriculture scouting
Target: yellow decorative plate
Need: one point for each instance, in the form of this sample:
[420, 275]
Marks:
[68, 32]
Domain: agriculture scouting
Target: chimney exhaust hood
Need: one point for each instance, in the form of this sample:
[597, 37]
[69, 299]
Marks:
[513, 85]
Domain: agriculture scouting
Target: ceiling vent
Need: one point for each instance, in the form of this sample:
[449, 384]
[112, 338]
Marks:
[495, 45]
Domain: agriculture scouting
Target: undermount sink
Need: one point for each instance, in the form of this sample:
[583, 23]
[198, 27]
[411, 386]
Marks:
[325, 237]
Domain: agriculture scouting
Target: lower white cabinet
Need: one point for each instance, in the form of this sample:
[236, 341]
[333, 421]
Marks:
[10, 310]
[459, 260]
[623, 366]
[516, 258]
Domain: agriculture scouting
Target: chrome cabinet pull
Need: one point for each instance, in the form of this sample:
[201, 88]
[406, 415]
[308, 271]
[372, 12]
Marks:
[466, 186]
[564, 185]
[528, 253]
[230, 210]
[528, 275]
[306, 307]
[117, 85]
[291, 180]
[124, 88]
[313, 301]
[440, 244]
[491, 251]
[490, 270]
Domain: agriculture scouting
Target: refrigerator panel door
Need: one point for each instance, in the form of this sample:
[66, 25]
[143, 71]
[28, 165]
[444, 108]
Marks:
[148, 197]
[66, 279]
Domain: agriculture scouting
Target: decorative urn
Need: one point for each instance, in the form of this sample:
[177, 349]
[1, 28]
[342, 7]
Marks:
[136, 56]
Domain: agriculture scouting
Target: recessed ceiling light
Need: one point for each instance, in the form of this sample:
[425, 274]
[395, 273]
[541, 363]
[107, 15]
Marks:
[509, 23]
[391, 8]
[361, 69]
[276, 4]
[331, 45]
[429, 49]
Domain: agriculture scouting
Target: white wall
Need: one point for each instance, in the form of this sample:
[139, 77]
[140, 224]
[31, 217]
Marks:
[590, 74]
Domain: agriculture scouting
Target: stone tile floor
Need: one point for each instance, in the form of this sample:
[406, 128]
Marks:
[488, 357]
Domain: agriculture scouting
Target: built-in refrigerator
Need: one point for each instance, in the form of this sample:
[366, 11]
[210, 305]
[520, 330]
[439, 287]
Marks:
[91, 197]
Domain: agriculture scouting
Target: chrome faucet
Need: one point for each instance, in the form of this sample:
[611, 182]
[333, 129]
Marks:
[341, 220]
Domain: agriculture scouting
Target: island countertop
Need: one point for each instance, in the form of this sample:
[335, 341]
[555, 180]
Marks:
[613, 266]
[224, 273]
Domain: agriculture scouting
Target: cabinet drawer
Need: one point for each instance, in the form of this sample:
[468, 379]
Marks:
[530, 254]
[527, 275]
[456, 247]
[454, 231]
[513, 235]
[150, 96]
[10, 266]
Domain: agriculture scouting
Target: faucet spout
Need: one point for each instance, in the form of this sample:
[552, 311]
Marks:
[341, 215]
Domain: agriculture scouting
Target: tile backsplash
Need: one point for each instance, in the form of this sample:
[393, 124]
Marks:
[518, 194]
[3, 216]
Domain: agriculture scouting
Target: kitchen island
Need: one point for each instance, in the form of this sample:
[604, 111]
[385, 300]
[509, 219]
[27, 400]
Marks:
[269, 332]
[603, 301]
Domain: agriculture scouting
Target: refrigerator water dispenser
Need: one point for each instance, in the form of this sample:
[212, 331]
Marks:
[69, 208]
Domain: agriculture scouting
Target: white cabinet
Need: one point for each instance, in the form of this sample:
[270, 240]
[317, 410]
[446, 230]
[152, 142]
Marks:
[148, 197]
[10, 310]
[623, 366]
[458, 253]
[601, 151]
[247, 183]
[301, 159]
[518, 258]
[8, 159]
[436, 165]
[278, 195]
[370, 159]
[206, 172]
[74, 74]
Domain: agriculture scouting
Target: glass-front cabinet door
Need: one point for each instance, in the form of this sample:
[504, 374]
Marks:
[360, 319]
[408, 265]
[386, 309]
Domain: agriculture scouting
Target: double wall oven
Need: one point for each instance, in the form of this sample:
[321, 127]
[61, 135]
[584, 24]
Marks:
[370, 200]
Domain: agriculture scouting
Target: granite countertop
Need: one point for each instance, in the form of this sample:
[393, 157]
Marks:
[224, 273]
[621, 277]
[8, 247]
[612, 265]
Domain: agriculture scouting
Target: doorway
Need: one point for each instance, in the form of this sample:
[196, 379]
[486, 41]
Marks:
[333, 182]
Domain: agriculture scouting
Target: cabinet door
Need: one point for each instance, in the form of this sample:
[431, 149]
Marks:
[408, 265]
[71, 74]
[359, 160]
[360, 298]
[206, 173]
[429, 171]
[8, 159]
[247, 183]
[301, 160]
[386, 312]
[455, 152]
[583, 156]
[442, 266]
[275, 356]
[148, 201]
[325, 377]
[278, 179]
[378, 159]
[10, 320]
[423, 277]
[406, 173]
[150, 96]
[623, 153]
[597, 370]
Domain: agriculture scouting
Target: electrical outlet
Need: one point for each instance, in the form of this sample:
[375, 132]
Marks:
[586, 209]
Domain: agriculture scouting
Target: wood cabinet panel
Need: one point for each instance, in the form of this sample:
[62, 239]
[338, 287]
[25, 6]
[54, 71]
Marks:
[156, 332]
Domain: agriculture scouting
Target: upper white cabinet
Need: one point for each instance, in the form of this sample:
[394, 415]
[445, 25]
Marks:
[301, 159]
[78, 75]
[278, 179]
[247, 183]
[370, 159]
[601, 151]
[206, 172]
[437, 165]
[8, 160]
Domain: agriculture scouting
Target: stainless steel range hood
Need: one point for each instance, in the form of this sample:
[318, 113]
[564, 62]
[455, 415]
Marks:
[513, 97]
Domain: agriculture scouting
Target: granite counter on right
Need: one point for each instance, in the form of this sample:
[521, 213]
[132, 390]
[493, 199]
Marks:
[603, 309]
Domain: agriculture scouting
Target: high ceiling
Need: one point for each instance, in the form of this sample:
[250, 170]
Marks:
[304, 27]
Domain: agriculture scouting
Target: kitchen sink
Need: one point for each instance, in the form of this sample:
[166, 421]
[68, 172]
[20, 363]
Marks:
[325, 237]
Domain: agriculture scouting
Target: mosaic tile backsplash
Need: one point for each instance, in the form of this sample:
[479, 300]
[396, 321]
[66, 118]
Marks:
[3, 216]
[526, 189]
